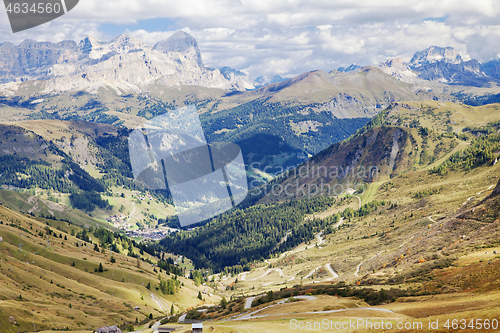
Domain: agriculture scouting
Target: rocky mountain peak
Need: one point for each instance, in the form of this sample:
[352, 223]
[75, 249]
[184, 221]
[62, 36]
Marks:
[492, 68]
[33, 44]
[350, 68]
[395, 63]
[435, 54]
[125, 43]
[180, 42]
[88, 44]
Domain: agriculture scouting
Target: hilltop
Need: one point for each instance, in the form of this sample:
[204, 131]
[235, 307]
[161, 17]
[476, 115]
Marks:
[407, 136]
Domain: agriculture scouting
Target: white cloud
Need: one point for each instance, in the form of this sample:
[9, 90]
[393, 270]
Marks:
[293, 36]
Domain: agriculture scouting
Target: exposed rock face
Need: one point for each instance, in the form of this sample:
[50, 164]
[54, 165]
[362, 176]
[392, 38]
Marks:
[492, 68]
[435, 54]
[183, 43]
[465, 73]
[399, 69]
[238, 77]
[265, 80]
[32, 58]
[350, 68]
[124, 63]
[443, 65]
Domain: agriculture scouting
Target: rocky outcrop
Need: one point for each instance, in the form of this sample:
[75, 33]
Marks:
[32, 58]
[183, 43]
[399, 69]
[350, 68]
[123, 64]
[263, 80]
[492, 68]
[465, 73]
[441, 64]
[435, 54]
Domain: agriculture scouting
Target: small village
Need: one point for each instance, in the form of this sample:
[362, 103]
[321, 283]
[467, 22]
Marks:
[150, 233]
[122, 222]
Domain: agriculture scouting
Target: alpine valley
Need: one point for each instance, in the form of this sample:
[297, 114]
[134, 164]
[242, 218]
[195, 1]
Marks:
[374, 193]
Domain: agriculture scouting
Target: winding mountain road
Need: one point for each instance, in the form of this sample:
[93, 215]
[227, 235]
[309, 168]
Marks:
[312, 272]
[330, 269]
[359, 201]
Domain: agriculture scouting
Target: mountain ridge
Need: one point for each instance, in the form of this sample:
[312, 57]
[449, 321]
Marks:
[444, 65]
[122, 63]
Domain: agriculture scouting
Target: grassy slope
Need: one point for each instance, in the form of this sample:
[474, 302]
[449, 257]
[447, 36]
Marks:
[96, 298]
[372, 146]
[75, 138]
[440, 243]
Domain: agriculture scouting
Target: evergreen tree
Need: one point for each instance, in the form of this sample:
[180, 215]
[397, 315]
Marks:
[223, 302]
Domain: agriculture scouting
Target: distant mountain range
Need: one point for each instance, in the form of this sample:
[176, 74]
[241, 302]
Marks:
[276, 121]
[123, 63]
[444, 65]
[127, 64]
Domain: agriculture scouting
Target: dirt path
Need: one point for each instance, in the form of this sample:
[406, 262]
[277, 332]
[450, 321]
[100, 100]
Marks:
[479, 193]
[162, 305]
[406, 241]
[432, 220]
[359, 201]
[300, 249]
[339, 223]
[311, 272]
[249, 300]
[357, 268]
[330, 269]
[251, 315]
[154, 328]
[280, 272]
[318, 237]
[178, 259]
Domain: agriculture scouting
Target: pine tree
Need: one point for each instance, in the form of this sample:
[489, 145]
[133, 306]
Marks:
[101, 269]
[223, 302]
[199, 295]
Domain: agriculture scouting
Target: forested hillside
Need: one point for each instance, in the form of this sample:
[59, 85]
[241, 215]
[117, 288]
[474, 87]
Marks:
[241, 236]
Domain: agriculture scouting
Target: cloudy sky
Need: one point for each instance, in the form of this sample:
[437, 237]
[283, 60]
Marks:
[287, 37]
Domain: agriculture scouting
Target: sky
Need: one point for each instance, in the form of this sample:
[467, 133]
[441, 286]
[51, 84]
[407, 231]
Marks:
[262, 37]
